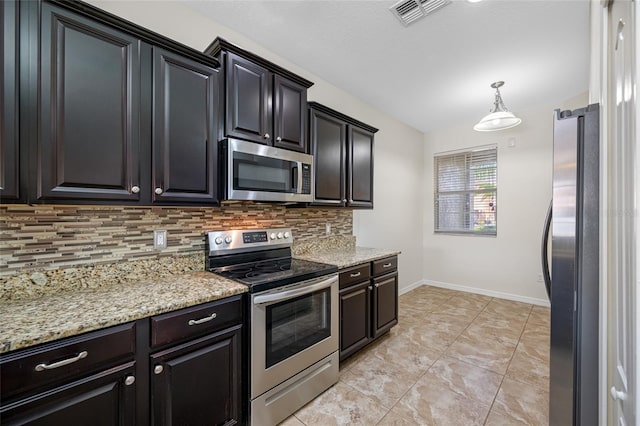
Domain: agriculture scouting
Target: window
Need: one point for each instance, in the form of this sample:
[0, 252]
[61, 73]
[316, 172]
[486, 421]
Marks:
[465, 191]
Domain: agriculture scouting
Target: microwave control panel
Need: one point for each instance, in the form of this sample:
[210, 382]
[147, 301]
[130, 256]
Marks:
[306, 178]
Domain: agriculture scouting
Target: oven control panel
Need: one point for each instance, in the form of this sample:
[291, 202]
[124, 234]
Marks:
[246, 240]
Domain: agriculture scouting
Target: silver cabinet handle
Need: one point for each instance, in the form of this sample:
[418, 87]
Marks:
[357, 274]
[279, 139]
[386, 265]
[158, 191]
[158, 369]
[344, 200]
[267, 135]
[129, 380]
[42, 367]
[370, 288]
[377, 285]
[135, 189]
[202, 320]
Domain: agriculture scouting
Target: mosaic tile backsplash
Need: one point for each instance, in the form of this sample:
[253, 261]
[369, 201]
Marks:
[34, 238]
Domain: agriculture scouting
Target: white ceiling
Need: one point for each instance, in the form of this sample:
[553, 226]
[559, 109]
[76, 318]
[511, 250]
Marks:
[436, 72]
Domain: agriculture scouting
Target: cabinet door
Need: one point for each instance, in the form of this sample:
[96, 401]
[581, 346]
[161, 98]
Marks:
[328, 146]
[360, 168]
[198, 383]
[90, 100]
[185, 110]
[9, 148]
[248, 100]
[289, 114]
[103, 399]
[385, 303]
[355, 318]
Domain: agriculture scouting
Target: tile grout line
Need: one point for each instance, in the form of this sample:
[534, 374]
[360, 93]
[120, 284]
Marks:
[507, 369]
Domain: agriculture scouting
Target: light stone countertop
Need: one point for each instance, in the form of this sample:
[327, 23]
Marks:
[344, 258]
[43, 318]
[28, 322]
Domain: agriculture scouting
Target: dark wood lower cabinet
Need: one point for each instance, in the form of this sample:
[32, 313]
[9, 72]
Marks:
[103, 399]
[160, 371]
[385, 303]
[355, 319]
[197, 383]
[368, 303]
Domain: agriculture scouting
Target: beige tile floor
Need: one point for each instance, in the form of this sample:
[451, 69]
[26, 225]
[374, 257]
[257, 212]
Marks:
[454, 359]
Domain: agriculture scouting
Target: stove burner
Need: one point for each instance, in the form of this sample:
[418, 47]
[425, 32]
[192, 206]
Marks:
[265, 274]
[260, 263]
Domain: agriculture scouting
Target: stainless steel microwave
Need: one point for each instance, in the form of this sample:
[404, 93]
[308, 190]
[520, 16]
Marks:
[263, 173]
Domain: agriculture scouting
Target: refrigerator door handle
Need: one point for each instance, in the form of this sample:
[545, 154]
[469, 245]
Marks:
[545, 254]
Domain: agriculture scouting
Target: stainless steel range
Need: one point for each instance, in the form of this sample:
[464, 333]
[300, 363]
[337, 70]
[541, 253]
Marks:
[293, 311]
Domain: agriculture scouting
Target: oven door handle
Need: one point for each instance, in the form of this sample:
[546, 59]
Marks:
[288, 294]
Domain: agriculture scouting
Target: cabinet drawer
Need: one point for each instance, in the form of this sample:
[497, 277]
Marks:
[195, 321]
[355, 274]
[65, 359]
[384, 266]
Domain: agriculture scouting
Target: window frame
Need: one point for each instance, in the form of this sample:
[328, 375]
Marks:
[468, 154]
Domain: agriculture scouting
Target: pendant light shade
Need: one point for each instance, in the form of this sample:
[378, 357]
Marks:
[499, 118]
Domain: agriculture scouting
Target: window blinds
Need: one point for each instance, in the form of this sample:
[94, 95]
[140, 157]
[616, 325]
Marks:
[465, 191]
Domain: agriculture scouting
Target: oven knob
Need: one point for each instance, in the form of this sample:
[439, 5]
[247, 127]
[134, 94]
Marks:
[227, 240]
[218, 240]
[279, 235]
[287, 235]
[273, 236]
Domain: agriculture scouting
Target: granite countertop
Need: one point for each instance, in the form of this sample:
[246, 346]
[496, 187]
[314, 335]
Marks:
[348, 256]
[33, 319]
[28, 322]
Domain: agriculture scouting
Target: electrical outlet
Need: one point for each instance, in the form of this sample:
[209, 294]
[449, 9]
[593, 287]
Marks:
[327, 229]
[159, 239]
[540, 279]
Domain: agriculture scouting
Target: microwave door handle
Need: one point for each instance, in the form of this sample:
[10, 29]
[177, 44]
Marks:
[294, 178]
[289, 294]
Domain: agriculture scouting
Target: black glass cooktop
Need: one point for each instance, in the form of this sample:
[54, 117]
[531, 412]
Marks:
[270, 273]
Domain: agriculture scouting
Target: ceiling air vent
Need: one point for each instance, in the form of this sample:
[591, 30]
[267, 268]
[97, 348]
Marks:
[408, 11]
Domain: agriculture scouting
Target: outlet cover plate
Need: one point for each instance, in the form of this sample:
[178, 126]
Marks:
[159, 239]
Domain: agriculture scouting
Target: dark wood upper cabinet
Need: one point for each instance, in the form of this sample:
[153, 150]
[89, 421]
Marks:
[89, 143]
[343, 155]
[289, 114]
[121, 114]
[185, 115]
[264, 102]
[9, 84]
[360, 143]
[328, 136]
[248, 106]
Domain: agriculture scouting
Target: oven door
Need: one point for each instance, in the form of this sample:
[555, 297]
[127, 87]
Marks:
[263, 173]
[292, 327]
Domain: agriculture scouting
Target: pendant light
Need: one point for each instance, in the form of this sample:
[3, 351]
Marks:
[499, 118]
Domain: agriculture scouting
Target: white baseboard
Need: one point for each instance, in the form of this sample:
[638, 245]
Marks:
[407, 289]
[498, 294]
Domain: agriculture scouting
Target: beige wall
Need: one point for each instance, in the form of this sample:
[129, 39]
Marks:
[507, 265]
[396, 220]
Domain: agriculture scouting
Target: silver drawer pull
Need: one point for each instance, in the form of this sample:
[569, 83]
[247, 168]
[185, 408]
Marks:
[386, 265]
[42, 367]
[357, 274]
[203, 320]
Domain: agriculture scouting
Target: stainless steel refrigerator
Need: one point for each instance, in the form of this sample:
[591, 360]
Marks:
[572, 278]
